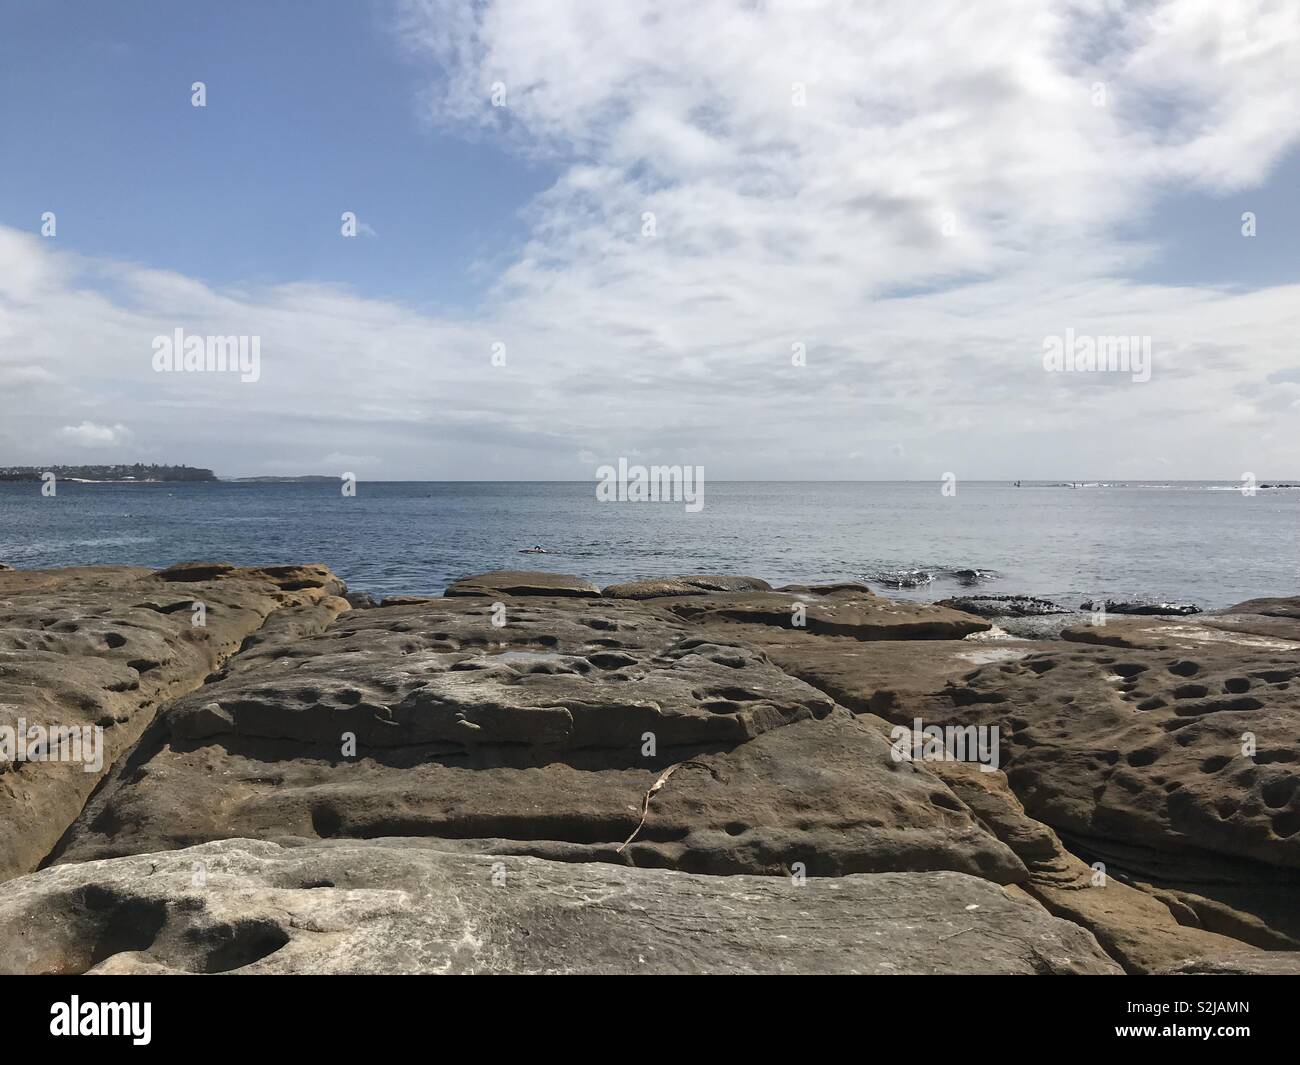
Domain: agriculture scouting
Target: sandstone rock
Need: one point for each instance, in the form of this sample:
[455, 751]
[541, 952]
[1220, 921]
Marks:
[393, 906]
[195, 571]
[862, 617]
[1165, 634]
[1140, 759]
[102, 647]
[522, 582]
[1148, 745]
[1134, 926]
[855, 589]
[1257, 964]
[1280, 607]
[1278, 617]
[526, 724]
[534, 732]
[892, 678]
[659, 587]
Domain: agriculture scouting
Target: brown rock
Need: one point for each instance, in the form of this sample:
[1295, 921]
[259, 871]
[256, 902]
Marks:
[101, 647]
[660, 587]
[1133, 926]
[523, 582]
[862, 617]
[535, 733]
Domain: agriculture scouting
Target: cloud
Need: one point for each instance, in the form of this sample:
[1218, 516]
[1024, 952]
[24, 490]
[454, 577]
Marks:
[917, 194]
[88, 434]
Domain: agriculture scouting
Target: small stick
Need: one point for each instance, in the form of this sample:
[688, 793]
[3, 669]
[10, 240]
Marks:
[663, 779]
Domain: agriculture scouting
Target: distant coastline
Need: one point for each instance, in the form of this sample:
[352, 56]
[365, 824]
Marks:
[136, 473]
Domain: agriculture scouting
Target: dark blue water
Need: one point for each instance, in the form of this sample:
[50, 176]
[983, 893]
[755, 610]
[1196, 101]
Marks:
[1186, 541]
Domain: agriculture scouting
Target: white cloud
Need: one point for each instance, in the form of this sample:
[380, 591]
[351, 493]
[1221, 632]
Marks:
[88, 434]
[776, 224]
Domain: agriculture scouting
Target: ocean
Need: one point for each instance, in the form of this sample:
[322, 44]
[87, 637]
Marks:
[1203, 542]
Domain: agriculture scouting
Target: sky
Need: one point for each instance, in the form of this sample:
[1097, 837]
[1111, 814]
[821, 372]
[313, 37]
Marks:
[787, 240]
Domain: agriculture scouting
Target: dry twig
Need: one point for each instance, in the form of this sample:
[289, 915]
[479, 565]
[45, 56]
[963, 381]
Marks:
[659, 783]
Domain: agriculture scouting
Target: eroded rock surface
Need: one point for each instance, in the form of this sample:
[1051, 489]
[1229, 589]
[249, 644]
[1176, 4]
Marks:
[354, 778]
[548, 731]
[394, 906]
[102, 647]
[1176, 765]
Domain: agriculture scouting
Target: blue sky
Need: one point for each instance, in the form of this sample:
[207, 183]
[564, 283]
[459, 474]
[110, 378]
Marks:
[919, 198]
[312, 110]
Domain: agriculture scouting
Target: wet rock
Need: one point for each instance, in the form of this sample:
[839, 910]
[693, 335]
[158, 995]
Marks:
[1003, 606]
[1149, 609]
[971, 577]
[361, 600]
[901, 578]
[396, 906]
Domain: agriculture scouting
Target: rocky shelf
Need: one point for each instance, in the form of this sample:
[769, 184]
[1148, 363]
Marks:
[687, 774]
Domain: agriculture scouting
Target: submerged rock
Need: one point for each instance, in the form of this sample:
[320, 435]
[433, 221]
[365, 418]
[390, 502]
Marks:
[901, 578]
[971, 577]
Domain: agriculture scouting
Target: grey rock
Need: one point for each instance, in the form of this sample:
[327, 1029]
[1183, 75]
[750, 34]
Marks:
[1003, 606]
[1113, 606]
[396, 906]
[659, 587]
[523, 582]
